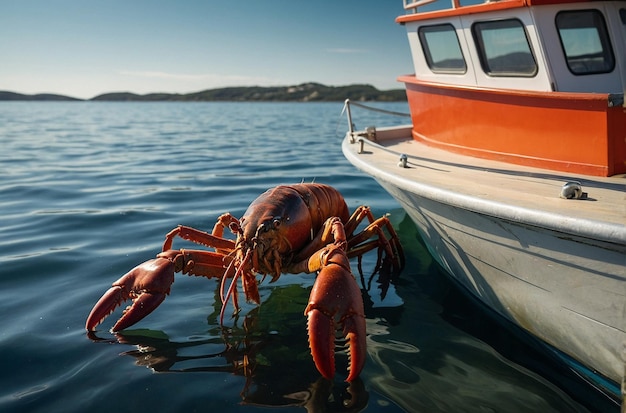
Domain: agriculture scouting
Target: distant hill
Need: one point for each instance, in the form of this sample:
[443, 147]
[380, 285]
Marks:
[41, 97]
[306, 92]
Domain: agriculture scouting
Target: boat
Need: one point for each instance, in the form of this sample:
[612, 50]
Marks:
[513, 166]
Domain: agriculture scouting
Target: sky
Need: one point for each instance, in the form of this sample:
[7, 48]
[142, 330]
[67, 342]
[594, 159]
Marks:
[83, 48]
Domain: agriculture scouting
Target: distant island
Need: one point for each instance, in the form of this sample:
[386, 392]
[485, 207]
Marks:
[40, 97]
[306, 92]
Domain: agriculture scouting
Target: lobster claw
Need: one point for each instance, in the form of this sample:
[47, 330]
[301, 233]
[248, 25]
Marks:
[147, 285]
[335, 304]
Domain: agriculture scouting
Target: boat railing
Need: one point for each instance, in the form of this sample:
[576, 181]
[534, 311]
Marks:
[412, 5]
[370, 130]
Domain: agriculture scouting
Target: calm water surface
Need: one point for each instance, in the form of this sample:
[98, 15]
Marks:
[88, 191]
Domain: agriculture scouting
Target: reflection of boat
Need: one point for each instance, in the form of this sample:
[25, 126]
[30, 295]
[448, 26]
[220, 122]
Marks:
[514, 166]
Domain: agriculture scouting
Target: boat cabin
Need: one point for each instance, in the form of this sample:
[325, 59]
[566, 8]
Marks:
[531, 82]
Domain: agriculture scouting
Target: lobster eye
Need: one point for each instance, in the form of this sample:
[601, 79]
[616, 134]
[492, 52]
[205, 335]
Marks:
[276, 222]
[262, 228]
[235, 228]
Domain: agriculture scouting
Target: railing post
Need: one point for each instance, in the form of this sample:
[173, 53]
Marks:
[350, 124]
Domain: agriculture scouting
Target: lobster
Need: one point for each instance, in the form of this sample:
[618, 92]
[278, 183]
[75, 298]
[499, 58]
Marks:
[301, 228]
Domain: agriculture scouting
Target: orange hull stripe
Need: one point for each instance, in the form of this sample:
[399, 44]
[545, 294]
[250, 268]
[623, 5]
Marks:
[569, 132]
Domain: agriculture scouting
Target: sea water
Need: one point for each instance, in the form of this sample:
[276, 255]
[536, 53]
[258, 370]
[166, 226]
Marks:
[88, 190]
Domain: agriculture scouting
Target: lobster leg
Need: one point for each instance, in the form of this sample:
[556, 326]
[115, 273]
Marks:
[371, 237]
[214, 240]
[335, 304]
[149, 283]
[390, 244]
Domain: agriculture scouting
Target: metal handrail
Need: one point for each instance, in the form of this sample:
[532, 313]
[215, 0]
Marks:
[413, 5]
[373, 109]
[346, 108]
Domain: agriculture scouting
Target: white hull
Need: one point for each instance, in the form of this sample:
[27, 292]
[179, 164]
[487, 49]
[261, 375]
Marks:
[561, 278]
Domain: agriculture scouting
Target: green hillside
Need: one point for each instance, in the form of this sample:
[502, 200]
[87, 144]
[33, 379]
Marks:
[306, 92]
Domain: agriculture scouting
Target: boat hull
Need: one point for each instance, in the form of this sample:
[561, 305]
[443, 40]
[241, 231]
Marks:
[566, 289]
[539, 279]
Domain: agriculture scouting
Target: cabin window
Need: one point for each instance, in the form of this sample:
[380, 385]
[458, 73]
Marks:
[585, 42]
[504, 49]
[442, 49]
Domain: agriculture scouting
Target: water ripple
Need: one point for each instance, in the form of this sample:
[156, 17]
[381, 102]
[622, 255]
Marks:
[89, 190]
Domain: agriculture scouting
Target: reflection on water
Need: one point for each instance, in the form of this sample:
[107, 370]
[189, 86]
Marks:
[265, 347]
[417, 361]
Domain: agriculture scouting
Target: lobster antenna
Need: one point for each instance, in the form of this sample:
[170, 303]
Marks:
[233, 287]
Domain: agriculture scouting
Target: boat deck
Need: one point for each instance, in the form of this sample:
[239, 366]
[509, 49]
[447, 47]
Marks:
[497, 188]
